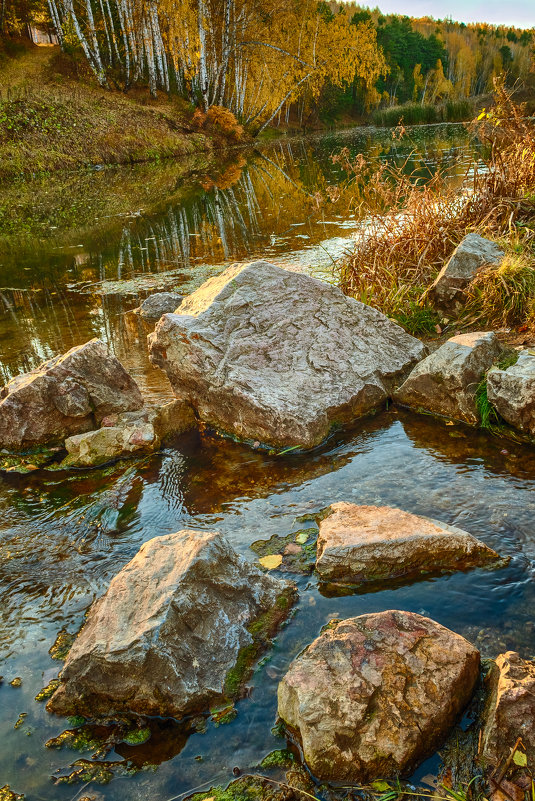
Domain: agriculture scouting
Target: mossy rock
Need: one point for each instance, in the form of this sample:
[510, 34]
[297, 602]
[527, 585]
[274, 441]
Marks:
[262, 630]
[7, 794]
[249, 788]
[283, 758]
[48, 691]
[81, 739]
[62, 645]
[298, 550]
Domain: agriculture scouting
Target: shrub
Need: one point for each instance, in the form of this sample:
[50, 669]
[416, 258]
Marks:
[504, 294]
[219, 120]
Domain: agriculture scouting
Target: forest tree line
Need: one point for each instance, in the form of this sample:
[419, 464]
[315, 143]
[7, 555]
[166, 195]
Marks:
[272, 61]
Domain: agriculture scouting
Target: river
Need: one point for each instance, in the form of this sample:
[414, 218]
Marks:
[76, 253]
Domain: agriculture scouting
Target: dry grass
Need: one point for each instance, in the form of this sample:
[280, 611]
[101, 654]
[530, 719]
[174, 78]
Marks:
[411, 226]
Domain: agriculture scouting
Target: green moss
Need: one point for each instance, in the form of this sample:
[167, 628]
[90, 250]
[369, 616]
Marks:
[262, 630]
[81, 739]
[508, 358]
[20, 720]
[7, 794]
[247, 788]
[300, 557]
[283, 758]
[83, 771]
[137, 736]
[48, 691]
[225, 715]
[76, 720]
[62, 645]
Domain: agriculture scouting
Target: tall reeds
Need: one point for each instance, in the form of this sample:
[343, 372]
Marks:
[410, 226]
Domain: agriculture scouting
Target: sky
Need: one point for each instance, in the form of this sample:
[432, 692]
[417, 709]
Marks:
[520, 13]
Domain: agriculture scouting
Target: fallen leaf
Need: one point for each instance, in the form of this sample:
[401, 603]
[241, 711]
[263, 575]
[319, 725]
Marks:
[271, 561]
[519, 758]
[302, 537]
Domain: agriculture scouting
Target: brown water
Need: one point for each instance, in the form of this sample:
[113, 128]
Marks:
[63, 536]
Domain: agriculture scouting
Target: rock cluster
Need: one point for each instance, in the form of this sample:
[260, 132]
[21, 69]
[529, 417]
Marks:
[128, 433]
[67, 395]
[374, 695]
[170, 627]
[377, 543]
[275, 356]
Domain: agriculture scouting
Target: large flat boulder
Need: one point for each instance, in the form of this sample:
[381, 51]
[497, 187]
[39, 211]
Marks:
[374, 695]
[376, 543]
[169, 630]
[445, 383]
[512, 392]
[276, 356]
[66, 395]
[128, 434]
[473, 253]
[510, 710]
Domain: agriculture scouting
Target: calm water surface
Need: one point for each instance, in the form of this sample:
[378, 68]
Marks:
[75, 254]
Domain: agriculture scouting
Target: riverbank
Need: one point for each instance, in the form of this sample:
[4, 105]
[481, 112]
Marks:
[53, 117]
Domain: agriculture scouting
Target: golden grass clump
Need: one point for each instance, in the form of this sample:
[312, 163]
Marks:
[503, 295]
[410, 226]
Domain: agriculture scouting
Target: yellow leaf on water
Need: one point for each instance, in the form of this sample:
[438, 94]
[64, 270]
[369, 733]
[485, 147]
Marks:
[271, 561]
[519, 758]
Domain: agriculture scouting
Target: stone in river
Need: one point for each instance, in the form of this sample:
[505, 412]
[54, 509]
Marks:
[159, 303]
[166, 636]
[446, 382]
[66, 395]
[376, 543]
[512, 392]
[375, 695]
[275, 356]
[510, 710]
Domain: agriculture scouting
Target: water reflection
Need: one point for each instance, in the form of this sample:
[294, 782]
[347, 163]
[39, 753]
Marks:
[65, 535]
[74, 256]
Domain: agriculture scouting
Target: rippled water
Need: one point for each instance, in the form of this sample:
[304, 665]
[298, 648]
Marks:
[63, 536]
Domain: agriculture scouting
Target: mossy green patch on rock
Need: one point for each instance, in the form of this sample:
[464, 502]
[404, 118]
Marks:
[48, 691]
[7, 794]
[262, 630]
[80, 739]
[250, 788]
[223, 716]
[137, 736]
[298, 550]
[26, 462]
[62, 645]
[283, 758]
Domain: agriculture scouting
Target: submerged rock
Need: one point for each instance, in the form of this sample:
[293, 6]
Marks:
[166, 637]
[271, 355]
[158, 304]
[128, 433]
[446, 382]
[66, 395]
[474, 252]
[510, 710]
[374, 695]
[374, 543]
[512, 392]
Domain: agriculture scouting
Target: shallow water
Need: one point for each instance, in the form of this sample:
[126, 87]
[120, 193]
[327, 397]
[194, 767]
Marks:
[63, 536]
